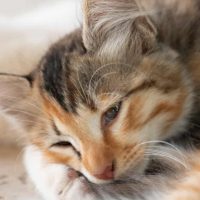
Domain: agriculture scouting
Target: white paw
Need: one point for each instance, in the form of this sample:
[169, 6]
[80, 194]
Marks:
[54, 181]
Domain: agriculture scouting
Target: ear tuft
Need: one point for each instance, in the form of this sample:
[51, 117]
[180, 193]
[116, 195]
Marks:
[116, 27]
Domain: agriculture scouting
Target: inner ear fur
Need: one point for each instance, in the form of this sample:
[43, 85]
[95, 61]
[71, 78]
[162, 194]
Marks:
[117, 28]
[13, 89]
[16, 98]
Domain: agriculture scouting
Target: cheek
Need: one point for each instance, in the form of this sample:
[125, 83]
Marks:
[147, 118]
[151, 115]
[128, 155]
[131, 158]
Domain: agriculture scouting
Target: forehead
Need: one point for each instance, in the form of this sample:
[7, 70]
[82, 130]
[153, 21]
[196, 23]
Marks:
[100, 76]
[72, 81]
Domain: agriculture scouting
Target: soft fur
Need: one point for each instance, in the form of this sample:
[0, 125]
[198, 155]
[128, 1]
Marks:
[131, 58]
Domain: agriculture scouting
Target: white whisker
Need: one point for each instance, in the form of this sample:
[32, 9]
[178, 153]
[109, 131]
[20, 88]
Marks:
[166, 143]
[168, 156]
[86, 98]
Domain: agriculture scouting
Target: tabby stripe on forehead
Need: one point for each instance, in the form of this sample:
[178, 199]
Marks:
[53, 76]
[56, 75]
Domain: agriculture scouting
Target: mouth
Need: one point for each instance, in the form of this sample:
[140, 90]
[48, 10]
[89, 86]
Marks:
[76, 175]
[89, 184]
[132, 175]
[129, 183]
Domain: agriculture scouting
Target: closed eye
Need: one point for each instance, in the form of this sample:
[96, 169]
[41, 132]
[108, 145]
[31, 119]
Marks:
[66, 144]
[63, 144]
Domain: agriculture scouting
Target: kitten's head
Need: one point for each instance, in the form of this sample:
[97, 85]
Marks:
[101, 103]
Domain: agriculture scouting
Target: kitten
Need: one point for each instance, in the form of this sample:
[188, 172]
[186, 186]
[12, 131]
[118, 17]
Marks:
[96, 107]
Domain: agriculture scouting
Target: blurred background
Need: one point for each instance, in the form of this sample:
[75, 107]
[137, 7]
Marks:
[15, 7]
[27, 29]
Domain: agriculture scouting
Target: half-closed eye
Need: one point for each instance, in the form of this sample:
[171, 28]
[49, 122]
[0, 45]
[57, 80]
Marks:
[111, 114]
[62, 144]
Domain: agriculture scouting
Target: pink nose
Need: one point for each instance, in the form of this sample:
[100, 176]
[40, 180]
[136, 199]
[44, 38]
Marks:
[107, 174]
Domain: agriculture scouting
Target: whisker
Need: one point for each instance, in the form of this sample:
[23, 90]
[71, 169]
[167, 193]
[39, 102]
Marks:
[102, 77]
[95, 72]
[86, 98]
[164, 142]
[23, 112]
[78, 90]
[168, 156]
[10, 98]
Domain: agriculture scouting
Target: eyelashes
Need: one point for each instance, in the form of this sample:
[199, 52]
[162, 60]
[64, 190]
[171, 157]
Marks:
[62, 144]
[65, 145]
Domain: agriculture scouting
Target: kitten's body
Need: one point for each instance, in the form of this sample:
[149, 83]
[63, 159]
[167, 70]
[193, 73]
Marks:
[152, 54]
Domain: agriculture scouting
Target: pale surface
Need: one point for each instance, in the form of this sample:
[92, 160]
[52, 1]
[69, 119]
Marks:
[14, 184]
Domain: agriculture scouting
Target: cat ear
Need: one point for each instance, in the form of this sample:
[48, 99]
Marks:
[15, 92]
[117, 27]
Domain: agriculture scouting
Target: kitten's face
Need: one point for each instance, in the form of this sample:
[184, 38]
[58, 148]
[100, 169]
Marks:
[100, 116]
[102, 108]
[104, 114]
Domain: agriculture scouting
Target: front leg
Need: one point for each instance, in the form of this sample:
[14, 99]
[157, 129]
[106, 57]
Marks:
[54, 181]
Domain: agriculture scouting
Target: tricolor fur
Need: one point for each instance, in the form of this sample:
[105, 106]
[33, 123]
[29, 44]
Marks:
[102, 98]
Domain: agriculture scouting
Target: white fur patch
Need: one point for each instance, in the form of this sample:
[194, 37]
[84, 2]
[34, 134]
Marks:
[52, 180]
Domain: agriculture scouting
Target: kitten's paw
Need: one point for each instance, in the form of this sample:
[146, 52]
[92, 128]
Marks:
[54, 181]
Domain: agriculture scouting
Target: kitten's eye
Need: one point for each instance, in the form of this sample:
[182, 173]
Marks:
[111, 114]
[63, 144]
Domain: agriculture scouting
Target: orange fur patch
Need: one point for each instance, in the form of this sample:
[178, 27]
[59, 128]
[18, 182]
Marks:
[134, 115]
